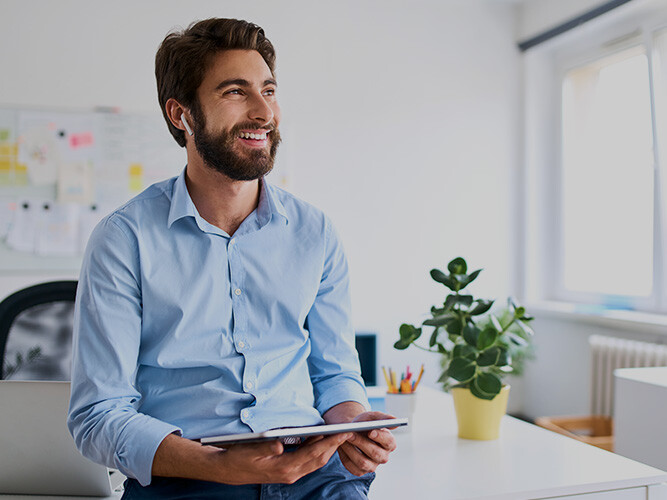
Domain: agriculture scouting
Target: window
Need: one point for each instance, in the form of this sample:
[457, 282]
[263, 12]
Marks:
[595, 213]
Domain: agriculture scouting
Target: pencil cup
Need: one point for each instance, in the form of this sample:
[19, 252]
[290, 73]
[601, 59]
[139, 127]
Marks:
[401, 405]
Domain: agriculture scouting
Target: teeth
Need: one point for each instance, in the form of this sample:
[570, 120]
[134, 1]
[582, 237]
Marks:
[248, 135]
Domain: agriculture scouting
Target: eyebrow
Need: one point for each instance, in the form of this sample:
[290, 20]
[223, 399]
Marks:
[243, 83]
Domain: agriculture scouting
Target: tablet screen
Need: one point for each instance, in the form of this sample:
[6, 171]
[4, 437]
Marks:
[294, 435]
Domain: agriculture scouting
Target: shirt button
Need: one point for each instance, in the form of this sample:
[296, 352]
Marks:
[248, 385]
[232, 241]
[245, 413]
[241, 344]
[237, 291]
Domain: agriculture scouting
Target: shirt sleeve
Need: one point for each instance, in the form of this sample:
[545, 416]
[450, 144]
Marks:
[334, 362]
[103, 416]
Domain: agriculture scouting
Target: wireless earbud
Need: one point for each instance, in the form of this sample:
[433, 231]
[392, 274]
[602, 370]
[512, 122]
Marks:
[185, 124]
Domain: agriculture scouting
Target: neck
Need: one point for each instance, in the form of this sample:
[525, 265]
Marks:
[221, 201]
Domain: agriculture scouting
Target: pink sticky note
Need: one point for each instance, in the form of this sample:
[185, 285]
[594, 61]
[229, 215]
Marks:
[81, 140]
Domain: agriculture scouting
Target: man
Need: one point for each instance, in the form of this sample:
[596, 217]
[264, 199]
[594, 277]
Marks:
[215, 303]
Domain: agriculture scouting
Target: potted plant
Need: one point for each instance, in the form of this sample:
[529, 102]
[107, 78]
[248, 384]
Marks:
[478, 348]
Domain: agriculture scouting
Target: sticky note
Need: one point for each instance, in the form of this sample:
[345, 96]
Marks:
[8, 149]
[81, 140]
[4, 134]
[136, 169]
[136, 172]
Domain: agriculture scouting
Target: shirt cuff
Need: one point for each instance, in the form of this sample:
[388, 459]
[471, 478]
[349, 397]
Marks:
[139, 441]
[335, 391]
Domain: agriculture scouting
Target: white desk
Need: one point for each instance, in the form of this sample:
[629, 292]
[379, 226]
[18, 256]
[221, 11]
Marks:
[640, 411]
[527, 462]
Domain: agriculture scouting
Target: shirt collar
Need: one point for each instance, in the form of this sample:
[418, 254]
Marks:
[269, 203]
[182, 205]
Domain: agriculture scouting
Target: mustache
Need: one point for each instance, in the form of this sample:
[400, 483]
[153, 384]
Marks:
[236, 129]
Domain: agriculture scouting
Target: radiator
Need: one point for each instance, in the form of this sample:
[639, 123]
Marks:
[610, 353]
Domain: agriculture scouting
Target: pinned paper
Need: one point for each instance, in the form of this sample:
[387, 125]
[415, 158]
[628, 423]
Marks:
[23, 228]
[7, 213]
[88, 219]
[39, 152]
[75, 183]
[58, 229]
[5, 134]
[80, 140]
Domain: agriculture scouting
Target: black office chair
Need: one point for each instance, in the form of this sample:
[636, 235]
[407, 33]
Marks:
[36, 332]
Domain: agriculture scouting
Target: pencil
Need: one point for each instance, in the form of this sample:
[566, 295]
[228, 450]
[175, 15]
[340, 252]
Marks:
[421, 372]
[386, 378]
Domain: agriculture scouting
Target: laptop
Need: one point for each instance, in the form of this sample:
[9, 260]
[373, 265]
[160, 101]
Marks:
[37, 453]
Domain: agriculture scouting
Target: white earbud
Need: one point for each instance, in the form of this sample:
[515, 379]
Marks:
[185, 124]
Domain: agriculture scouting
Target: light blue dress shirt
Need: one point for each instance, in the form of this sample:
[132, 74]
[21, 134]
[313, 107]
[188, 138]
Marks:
[181, 328]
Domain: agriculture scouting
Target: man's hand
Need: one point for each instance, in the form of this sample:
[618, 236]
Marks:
[243, 463]
[266, 462]
[364, 451]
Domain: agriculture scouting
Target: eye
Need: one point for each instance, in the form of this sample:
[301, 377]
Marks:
[270, 92]
[234, 92]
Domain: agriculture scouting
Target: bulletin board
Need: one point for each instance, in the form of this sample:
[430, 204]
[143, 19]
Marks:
[62, 171]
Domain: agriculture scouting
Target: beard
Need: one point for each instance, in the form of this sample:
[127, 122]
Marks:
[217, 150]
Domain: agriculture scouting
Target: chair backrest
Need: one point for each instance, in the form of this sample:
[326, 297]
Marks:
[36, 332]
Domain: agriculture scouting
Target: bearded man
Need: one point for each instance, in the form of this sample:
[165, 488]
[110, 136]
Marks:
[214, 303]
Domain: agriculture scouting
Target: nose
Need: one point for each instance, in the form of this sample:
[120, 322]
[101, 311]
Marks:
[259, 109]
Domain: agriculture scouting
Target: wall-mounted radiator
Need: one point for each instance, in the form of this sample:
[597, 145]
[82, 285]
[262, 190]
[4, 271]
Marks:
[610, 353]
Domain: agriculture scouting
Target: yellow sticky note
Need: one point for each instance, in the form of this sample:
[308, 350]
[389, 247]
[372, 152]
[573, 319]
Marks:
[136, 172]
[136, 169]
[8, 149]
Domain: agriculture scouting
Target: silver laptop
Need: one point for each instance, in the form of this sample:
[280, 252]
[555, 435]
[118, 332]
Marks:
[37, 453]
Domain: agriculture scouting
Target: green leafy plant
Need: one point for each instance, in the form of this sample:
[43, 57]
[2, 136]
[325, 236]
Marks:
[32, 355]
[478, 348]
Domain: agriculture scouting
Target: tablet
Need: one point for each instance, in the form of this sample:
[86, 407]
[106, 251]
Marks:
[295, 435]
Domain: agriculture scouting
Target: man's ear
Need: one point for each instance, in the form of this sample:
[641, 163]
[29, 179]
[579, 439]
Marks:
[177, 115]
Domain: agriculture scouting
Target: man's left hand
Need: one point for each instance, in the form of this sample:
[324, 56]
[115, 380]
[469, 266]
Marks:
[364, 451]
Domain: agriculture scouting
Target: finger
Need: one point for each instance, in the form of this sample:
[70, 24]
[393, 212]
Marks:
[347, 462]
[373, 415]
[361, 463]
[312, 439]
[270, 448]
[384, 438]
[312, 456]
[371, 449]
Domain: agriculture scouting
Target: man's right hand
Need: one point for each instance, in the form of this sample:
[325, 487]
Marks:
[243, 463]
[267, 462]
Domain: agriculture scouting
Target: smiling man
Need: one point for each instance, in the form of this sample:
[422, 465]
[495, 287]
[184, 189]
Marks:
[214, 303]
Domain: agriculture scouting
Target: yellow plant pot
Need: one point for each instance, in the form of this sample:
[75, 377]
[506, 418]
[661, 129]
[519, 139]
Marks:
[479, 418]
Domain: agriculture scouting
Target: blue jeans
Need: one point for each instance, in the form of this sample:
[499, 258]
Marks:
[331, 482]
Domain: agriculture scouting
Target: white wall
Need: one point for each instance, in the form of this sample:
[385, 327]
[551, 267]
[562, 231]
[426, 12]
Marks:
[400, 121]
